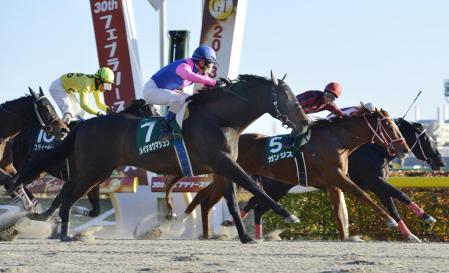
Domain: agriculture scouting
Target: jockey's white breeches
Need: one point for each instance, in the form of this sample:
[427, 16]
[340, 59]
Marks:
[159, 96]
[67, 103]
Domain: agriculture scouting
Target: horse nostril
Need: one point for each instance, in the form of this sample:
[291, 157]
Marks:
[65, 130]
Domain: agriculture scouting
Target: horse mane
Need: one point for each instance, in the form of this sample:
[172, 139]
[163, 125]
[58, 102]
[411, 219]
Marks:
[242, 82]
[15, 101]
[322, 122]
[135, 104]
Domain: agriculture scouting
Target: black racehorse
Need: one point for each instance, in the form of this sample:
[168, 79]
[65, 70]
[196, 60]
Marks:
[216, 119]
[34, 110]
[368, 168]
[23, 151]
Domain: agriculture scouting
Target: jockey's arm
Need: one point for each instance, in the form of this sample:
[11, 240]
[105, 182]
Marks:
[185, 72]
[332, 107]
[99, 101]
[83, 103]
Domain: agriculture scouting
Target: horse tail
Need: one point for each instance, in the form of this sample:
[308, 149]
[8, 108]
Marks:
[199, 197]
[47, 159]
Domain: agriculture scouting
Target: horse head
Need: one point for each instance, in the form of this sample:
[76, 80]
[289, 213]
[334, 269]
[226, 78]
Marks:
[285, 107]
[385, 132]
[46, 115]
[421, 144]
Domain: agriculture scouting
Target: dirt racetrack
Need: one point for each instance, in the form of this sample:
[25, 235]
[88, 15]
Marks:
[25, 255]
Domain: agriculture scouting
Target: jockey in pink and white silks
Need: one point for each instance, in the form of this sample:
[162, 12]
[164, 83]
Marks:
[163, 87]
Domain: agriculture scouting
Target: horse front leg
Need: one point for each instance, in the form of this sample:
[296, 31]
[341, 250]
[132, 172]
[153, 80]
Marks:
[346, 184]
[225, 166]
[170, 181]
[339, 211]
[231, 202]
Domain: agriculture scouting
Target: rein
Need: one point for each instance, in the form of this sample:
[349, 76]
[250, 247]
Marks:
[381, 134]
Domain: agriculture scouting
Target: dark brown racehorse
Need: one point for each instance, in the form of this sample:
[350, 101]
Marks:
[326, 156]
[21, 113]
[22, 151]
[211, 132]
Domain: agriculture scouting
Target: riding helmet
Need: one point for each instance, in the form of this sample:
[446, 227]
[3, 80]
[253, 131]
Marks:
[204, 52]
[105, 74]
[334, 88]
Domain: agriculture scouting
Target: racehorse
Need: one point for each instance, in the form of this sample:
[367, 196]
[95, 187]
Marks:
[215, 121]
[326, 157]
[22, 151]
[368, 168]
[28, 111]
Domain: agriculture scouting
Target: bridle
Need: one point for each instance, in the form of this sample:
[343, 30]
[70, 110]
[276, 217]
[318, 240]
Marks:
[276, 113]
[418, 144]
[382, 135]
[42, 119]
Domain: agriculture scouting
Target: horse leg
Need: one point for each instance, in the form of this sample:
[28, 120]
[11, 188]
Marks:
[251, 204]
[94, 198]
[213, 198]
[53, 206]
[231, 201]
[79, 189]
[170, 181]
[401, 196]
[339, 212]
[348, 186]
[225, 166]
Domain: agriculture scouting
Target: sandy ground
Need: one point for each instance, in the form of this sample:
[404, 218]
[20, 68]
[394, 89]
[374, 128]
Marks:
[39, 255]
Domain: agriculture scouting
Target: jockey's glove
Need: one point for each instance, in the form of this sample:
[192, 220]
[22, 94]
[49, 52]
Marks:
[223, 81]
[67, 118]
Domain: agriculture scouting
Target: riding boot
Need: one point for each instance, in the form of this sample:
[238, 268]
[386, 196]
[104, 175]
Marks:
[173, 128]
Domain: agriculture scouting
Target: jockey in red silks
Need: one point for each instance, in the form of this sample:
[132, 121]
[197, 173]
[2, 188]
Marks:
[317, 101]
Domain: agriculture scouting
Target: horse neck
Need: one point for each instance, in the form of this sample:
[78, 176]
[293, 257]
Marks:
[15, 116]
[235, 113]
[354, 132]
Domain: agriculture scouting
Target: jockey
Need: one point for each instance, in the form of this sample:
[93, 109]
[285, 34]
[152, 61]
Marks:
[164, 87]
[317, 101]
[64, 89]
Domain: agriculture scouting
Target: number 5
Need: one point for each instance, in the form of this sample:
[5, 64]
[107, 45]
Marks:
[275, 144]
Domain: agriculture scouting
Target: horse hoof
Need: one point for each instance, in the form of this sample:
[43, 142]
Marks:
[412, 238]
[67, 238]
[37, 217]
[227, 223]
[292, 219]
[247, 240]
[428, 219]
[392, 223]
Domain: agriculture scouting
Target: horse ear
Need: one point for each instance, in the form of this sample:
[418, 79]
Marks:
[285, 76]
[41, 93]
[36, 96]
[273, 78]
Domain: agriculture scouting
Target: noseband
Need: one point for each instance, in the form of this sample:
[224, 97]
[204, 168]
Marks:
[382, 135]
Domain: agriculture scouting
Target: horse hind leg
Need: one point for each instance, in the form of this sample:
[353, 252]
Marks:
[226, 167]
[170, 181]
